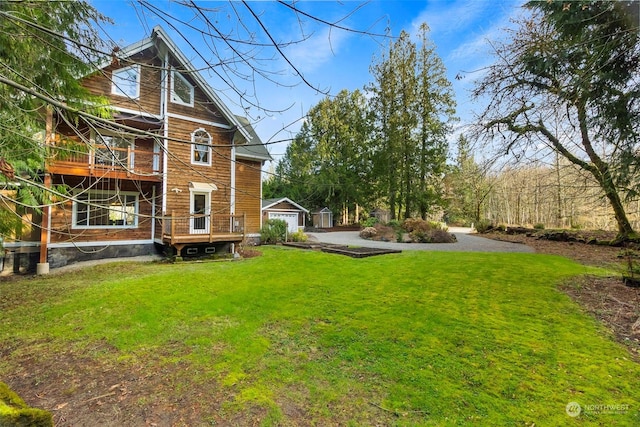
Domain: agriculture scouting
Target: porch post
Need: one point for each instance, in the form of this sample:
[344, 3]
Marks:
[210, 227]
[43, 265]
[173, 225]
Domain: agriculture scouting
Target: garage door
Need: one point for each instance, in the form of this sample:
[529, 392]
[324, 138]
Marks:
[290, 218]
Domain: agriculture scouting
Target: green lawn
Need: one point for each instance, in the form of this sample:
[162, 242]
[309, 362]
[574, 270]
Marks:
[418, 338]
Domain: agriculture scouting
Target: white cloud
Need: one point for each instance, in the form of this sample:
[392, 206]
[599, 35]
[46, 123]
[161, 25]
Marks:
[451, 18]
[320, 48]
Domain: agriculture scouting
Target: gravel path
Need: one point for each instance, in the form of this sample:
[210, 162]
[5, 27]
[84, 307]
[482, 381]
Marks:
[467, 242]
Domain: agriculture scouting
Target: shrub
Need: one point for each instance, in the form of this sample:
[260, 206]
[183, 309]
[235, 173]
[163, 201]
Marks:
[442, 236]
[421, 231]
[274, 231]
[437, 225]
[539, 226]
[370, 222]
[415, 224]
[483, 226]
[394, 223]
[298, 236]
[432, 236]
[418, 224]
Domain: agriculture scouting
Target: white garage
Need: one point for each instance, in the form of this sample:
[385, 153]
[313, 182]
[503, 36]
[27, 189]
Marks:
[290, 218]
[287, 210]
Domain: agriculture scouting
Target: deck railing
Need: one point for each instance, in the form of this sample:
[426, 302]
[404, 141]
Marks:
[208, 227]
[109, 158]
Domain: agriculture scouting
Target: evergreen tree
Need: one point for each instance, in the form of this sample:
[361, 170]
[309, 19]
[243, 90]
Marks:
[44, 48]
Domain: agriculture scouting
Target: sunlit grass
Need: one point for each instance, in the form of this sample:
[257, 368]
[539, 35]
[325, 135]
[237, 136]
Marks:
[425, 338]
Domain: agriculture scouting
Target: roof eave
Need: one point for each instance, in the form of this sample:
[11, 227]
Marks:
[175, 51]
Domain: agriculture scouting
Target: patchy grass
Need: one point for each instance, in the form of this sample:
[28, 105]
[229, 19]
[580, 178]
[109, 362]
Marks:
[301, 337]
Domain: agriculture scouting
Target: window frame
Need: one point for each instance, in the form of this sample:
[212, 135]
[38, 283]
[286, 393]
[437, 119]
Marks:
[117, 87]
[174, 97]
[194, 145]
[102, 196]
[98, 138]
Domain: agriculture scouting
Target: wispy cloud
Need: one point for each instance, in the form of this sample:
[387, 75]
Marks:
[447, 18]
[320, 48]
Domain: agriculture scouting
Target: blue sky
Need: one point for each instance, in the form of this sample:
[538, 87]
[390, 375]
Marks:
[329, 60]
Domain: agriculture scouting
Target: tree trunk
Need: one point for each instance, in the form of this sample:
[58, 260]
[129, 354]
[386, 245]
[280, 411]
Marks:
[602, 173]
[625, 230]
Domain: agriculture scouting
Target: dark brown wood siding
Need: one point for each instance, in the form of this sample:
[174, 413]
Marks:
[62, 229]
[248, 182]
[180, 170]
[203, 108]
[99, 83]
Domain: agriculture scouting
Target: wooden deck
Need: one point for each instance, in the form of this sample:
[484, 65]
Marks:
[180, 231]
[123, 163]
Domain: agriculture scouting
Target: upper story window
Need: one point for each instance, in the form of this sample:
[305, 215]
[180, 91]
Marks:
[181, 90]
[113, 150]
[126, 81]
[201, 147]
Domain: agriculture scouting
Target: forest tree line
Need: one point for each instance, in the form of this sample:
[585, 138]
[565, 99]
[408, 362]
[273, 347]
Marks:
[566, 84]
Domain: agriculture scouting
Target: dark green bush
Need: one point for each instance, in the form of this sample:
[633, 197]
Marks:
[274, 231]
[369, 222]
[539, 226]
[394, 223]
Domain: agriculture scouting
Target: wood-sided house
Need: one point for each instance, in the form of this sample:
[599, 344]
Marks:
[176, 168]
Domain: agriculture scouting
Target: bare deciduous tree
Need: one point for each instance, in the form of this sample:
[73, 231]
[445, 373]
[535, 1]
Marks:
[577, 61]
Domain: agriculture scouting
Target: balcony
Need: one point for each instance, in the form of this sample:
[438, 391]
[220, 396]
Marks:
[105, 161]
[180, 231]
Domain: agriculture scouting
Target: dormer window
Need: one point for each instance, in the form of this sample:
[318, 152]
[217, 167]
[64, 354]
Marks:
[181, 90]
[201, 148]
[126, 82]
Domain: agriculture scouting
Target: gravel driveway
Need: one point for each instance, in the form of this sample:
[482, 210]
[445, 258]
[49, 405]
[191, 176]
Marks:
[467, 242]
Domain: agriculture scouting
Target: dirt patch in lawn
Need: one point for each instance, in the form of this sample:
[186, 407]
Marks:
[80, 390]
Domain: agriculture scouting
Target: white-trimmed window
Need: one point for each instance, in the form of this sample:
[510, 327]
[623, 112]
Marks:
[182, 91]
[113, 150]
[201, 147]
[105, 209]
[126, 82]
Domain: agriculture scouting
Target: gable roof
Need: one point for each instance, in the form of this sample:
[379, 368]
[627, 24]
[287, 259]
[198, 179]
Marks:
[255, 149]
[267, 203]
[158, 34]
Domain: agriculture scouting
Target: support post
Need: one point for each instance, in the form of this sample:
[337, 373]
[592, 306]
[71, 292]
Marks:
[43, 265]
[173, 225]
[210, 228]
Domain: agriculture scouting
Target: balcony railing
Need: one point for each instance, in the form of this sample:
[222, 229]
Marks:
[103, 158]
[201, 228]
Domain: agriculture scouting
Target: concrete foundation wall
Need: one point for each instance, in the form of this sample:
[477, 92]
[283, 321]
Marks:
[59, 257]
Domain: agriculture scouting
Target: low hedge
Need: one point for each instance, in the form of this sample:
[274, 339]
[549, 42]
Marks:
[14, 412]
